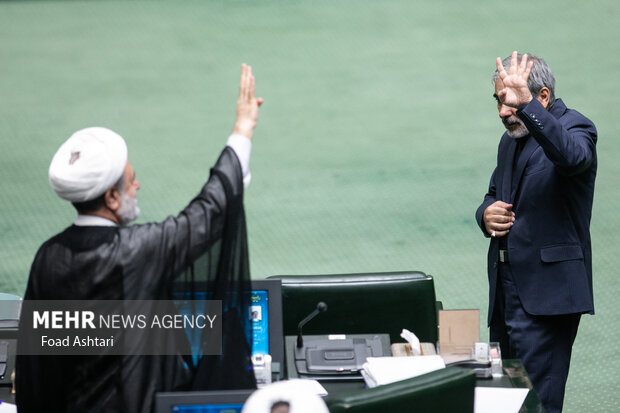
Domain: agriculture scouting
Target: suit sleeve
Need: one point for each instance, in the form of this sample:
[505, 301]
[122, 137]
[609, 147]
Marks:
[156, 252]
[569, 145]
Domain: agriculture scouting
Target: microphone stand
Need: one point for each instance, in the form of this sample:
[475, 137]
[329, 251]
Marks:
[321, 307]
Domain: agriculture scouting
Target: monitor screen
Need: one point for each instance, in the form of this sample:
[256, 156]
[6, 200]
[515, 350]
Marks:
[210, 408]
[220, 401]
[259, 315]
[265, 313]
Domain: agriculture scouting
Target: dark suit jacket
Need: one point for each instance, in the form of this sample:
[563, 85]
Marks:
[549, 244]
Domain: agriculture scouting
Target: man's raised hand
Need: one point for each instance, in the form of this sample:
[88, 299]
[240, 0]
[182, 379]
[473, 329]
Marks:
[514, 91]
[247, 104]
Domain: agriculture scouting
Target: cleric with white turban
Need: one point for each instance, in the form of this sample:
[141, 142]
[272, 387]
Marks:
[101, 258]
[89, 163]
[91, 170]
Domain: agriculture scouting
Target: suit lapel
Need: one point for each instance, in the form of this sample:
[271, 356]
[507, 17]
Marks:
[527, 151]
[506, 179]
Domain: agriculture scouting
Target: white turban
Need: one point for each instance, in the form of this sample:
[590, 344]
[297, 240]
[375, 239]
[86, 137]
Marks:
[299, 394]
[89, 163]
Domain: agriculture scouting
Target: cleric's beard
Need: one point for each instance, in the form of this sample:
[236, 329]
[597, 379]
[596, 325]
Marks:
[129, 210]
[520, 132]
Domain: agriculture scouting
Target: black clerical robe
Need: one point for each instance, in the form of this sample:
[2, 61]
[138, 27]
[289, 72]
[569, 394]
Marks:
[137, 262]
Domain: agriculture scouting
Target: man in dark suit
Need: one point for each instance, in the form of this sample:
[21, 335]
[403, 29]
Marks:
[537, 214]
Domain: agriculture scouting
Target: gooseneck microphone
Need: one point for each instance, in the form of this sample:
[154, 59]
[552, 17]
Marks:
[321, 307]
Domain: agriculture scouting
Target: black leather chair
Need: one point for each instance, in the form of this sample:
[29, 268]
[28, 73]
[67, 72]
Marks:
[362, 304]
[446, 390]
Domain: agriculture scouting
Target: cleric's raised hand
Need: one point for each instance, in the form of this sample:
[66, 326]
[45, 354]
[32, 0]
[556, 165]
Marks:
[247, 104]
[513, 90]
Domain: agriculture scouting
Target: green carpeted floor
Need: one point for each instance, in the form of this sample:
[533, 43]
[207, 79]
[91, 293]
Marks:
[374, 147]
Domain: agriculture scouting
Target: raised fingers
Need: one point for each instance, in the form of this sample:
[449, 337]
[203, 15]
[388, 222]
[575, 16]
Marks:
[248, 84]
[513, 62]
[242, 81]
[500, 68]
[523, 65]
[252, 85]
[526, 73]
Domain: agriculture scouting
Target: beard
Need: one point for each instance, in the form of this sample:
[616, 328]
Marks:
[129, 210]
[515, 128]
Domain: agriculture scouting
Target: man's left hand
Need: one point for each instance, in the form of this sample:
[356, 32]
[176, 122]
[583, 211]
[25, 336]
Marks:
[515, 92]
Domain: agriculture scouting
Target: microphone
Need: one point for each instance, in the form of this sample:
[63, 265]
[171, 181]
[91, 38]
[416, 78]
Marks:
[321, 307]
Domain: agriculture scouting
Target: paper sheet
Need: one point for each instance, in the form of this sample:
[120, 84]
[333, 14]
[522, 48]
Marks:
[7, 407]
[384, 370]
[499, 399]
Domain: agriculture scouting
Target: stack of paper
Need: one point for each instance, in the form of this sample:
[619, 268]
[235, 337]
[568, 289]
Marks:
[378, 371]
[499, 399]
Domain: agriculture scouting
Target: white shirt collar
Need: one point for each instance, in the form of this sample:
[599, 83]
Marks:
[93, 221]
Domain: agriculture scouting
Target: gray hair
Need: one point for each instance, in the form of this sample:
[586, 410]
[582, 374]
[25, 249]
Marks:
[94, 204]
[120, 184]
[540, 76]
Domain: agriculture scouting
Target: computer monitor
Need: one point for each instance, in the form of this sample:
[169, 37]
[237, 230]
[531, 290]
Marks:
[219, 401]
[265, 312]
[266, 316]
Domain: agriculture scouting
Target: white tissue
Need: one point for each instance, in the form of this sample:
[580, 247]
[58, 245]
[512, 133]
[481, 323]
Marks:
[413, 340]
